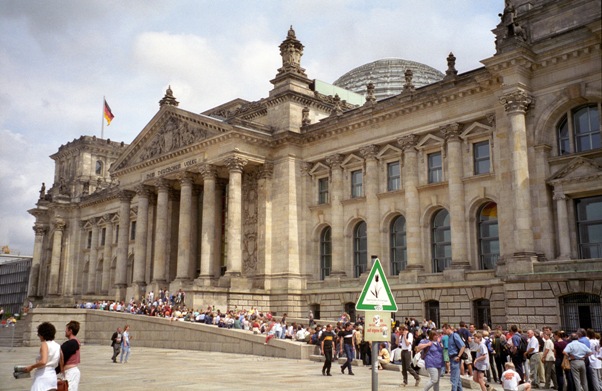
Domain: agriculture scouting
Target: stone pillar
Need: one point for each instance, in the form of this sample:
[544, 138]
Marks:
[139, 278]
[412, 204]
[516, 104]
[563, 234]
[34, 273]
[125, 198]
[195, 257]
[161, 233]
[55, 261]
[455, 188]
[264, 215]
[336, 215]
[92, 264]
[372, 211]
[107, 255]
[235, 165]
[208, 226]
[183, 263]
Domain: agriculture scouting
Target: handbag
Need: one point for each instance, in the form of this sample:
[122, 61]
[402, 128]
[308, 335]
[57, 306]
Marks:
[566, 364]
[62, 385]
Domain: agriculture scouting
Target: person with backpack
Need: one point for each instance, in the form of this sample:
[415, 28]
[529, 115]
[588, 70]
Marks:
[455, 347]
[517, 350]
[431, 351]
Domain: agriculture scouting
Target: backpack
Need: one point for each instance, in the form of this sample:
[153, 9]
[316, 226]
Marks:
[522, 345]
[488, 344]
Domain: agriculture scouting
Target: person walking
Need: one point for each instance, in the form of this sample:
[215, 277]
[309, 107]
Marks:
[346, 344]
[125, 344]
[433, 358]
[71, 355]
[481, 362]
[456, 349]
[577, 354]
[327, 343]
[406, 356]
[44, 378]
[116, 344]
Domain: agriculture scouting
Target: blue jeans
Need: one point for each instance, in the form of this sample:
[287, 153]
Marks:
[454, 374]
[349, 355]
[126, 350]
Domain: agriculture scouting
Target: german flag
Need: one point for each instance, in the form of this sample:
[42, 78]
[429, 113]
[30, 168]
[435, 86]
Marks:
[108, 114]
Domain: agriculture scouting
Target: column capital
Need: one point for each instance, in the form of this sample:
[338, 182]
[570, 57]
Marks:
[208, 171]
[267, 170]
[517, 101]
[408, 143]
[60, 225]
[334, 161]
[559, 196]
[40, 230]
[126, 195]
[235, 163]
[107, 217]
[186, 178]
[143, 191]
[369, 152]
[451, 132]
[162, 184]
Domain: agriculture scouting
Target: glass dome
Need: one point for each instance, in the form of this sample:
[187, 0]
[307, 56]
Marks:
[388, 78]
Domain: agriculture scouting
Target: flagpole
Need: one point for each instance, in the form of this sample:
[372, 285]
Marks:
[102, 119]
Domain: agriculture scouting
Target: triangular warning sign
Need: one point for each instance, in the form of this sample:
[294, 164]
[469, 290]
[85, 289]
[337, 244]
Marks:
[376, 295]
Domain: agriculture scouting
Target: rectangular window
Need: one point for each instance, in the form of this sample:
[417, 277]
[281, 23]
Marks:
[89, 239]
[323, 191]
[435, 167]
[103, 236]
[116, 234]
[356, 183]
[133, 231]
[393, 176]
[481, 158]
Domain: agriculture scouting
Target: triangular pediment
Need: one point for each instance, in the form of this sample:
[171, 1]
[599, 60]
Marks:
[476, 129]
[171, 130]
[577, 170]
[389, 151]
[429, 141]
[352, 161]
[319, 169]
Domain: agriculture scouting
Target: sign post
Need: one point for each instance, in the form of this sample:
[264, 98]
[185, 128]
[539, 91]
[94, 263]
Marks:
[378, 302]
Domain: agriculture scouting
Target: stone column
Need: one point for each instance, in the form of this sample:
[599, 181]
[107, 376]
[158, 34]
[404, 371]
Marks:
[92, 264]
[161, 233]
[55, 261]
[516, 104]
[264, 215]
[34, 273]
[412, 204]
[125, 198]
[139, 278]
[183, 263]
[107, 255]
[208, 226]
[235, 165]
[372, 211]
[336, 215]
[563, 234]
[195, 257]
[455, 189]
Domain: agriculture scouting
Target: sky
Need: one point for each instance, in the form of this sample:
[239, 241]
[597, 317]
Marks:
[59, 58]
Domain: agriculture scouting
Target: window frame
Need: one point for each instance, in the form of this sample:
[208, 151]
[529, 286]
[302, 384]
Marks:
[434, 169]
[570, 120]
[360, 255]
[357, 188]
[483, 263]
[476, 160]
[398, 266]
[439, 264]
[323, 194]
[325, 256]
[391, 179]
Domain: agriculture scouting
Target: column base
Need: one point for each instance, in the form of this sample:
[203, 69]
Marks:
[454, 274]
[410, 274]
[205, 280]
[139, 290]
[519, 263]
[120, 292]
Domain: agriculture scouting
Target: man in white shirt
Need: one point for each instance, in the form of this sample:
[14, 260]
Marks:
[510, 379]
[548, 360]
[406, 356]
[532, 354]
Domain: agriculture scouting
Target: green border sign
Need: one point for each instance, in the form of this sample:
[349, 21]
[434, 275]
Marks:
[376, 295]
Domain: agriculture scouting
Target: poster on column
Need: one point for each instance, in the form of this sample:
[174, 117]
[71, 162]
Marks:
[377, 327]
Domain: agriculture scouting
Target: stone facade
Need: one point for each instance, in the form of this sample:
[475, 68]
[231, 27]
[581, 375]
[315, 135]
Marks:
[477, 192]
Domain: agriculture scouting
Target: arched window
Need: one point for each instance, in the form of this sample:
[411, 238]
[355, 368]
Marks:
[398, 245]
[360, 249]
[482, 313]
[325, 253]
[431, 311]
[580, 310]
[579, 130]
[315, 309]
[489, 241]
[99, 167]
[441, 241]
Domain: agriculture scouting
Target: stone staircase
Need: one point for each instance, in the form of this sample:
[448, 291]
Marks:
[12, 335]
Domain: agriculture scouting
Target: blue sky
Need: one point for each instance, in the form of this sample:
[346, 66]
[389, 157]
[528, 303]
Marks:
[59, 58]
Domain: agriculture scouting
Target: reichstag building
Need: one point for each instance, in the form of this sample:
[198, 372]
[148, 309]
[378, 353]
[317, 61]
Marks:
[480, 192]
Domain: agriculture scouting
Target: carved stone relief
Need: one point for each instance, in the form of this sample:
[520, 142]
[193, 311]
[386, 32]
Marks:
[174, 134]
[249, 222]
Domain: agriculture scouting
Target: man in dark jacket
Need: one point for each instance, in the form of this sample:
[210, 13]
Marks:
[116, 344]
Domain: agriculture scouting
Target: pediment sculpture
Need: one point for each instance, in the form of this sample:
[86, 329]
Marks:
[174, 134]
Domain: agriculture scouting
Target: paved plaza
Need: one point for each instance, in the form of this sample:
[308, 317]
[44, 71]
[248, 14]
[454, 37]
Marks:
[163, 369]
